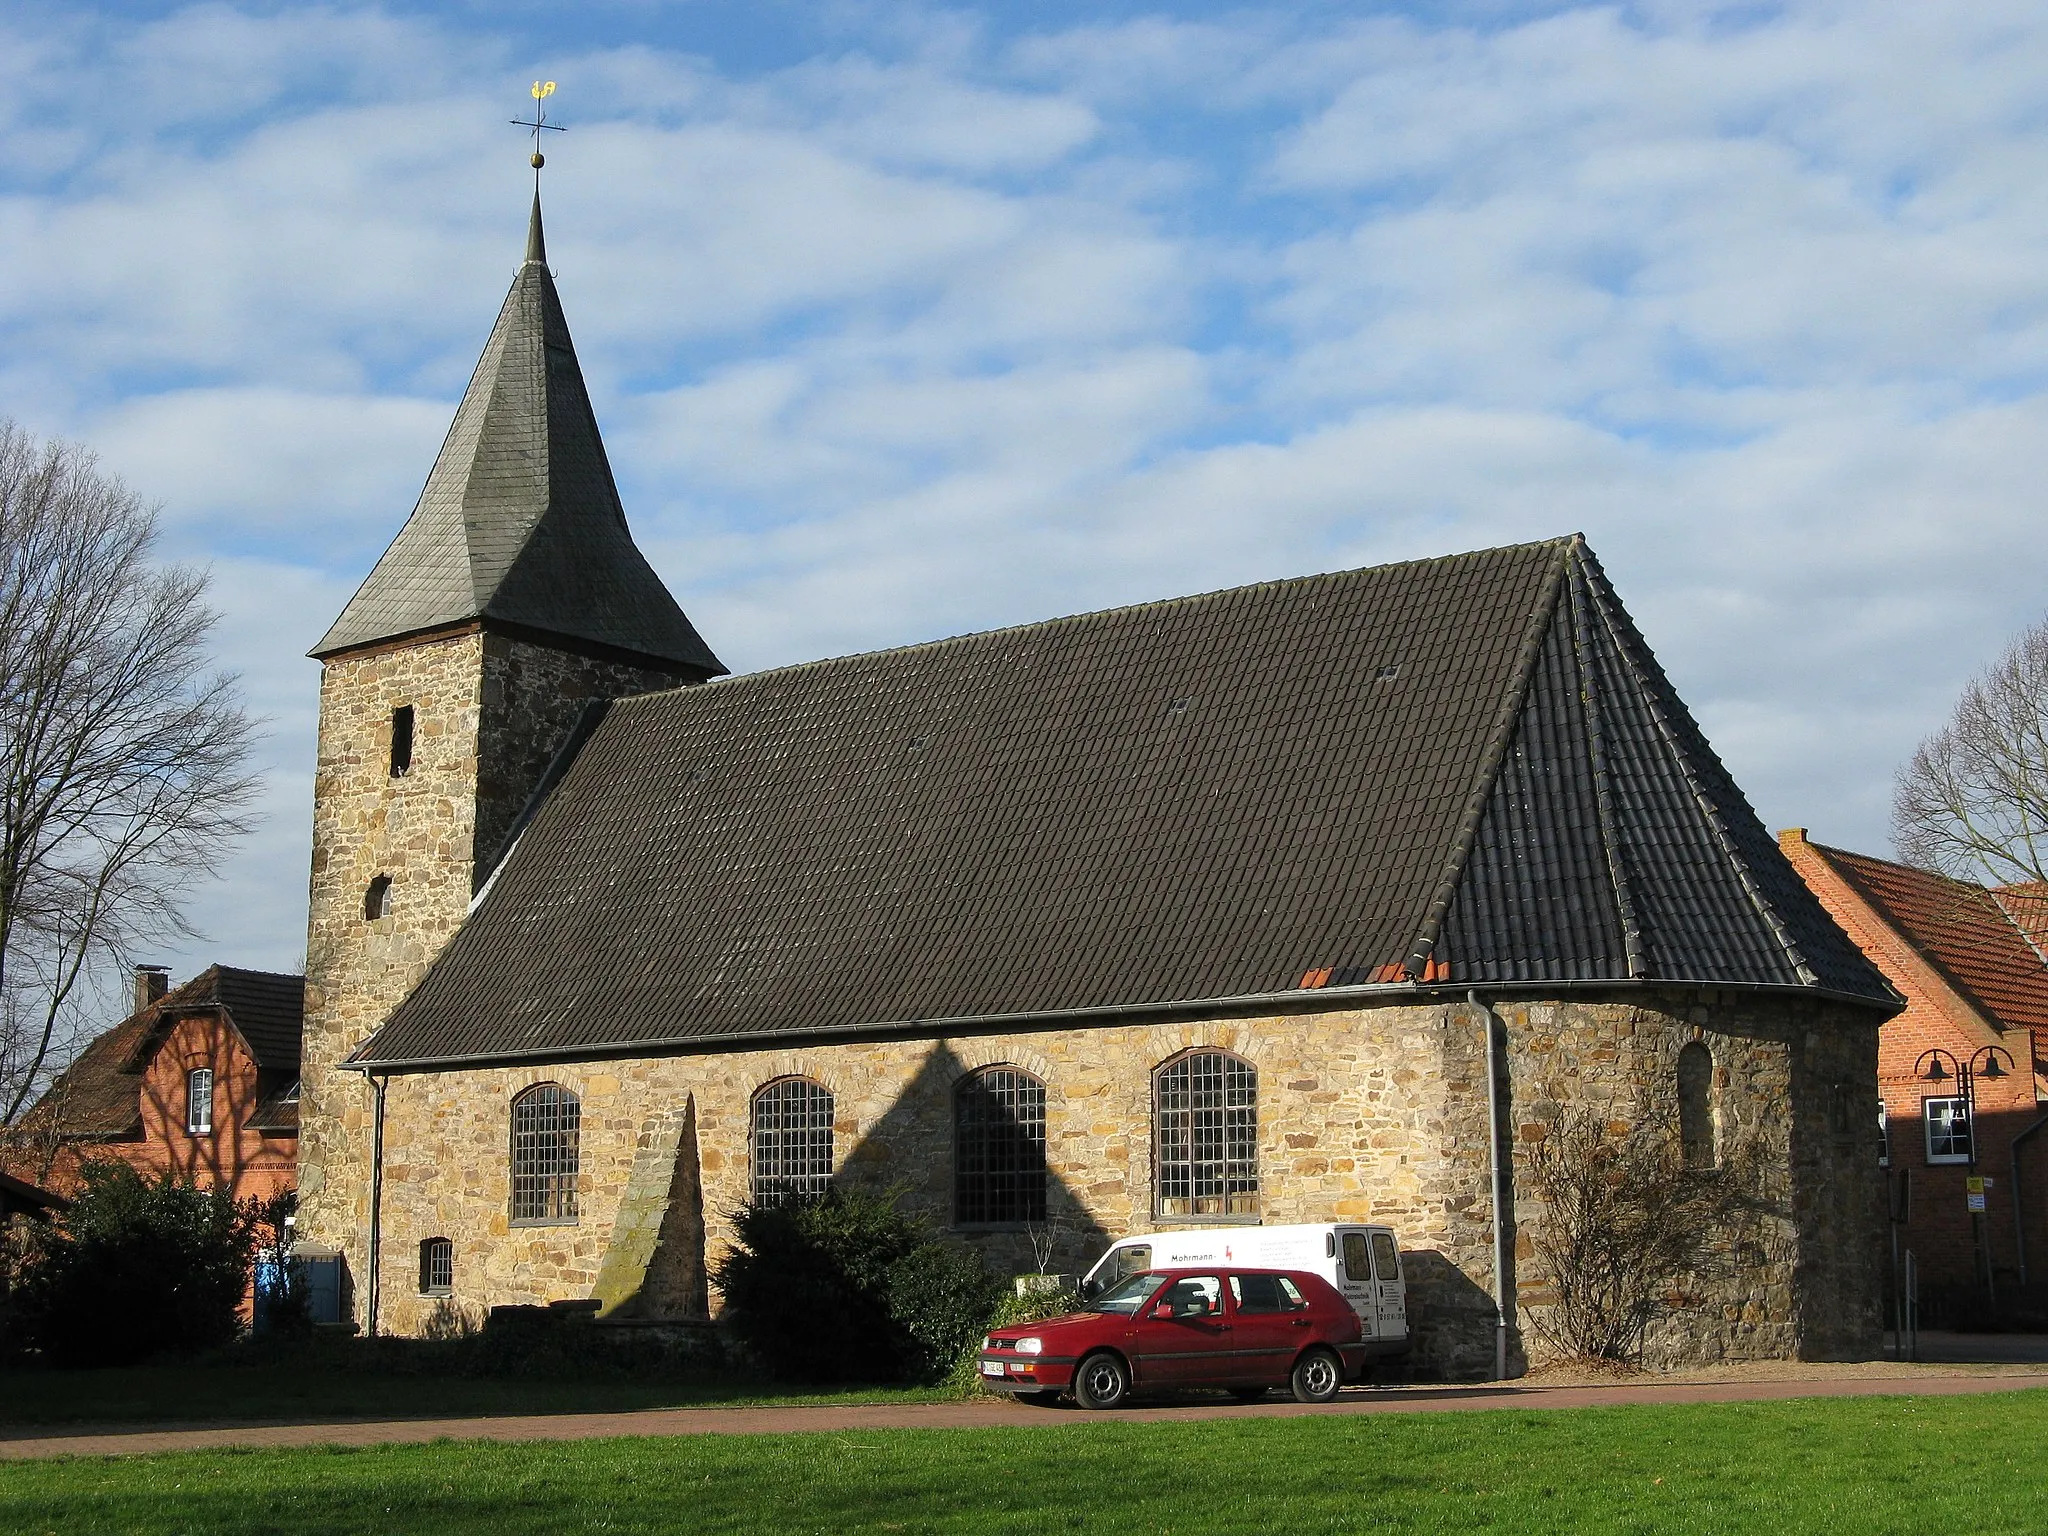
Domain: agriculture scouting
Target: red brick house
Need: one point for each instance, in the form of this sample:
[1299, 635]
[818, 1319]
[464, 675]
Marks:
[200, 1080]
[1969, 962]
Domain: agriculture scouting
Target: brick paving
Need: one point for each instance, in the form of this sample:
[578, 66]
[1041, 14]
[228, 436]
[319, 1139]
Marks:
[28, 1441]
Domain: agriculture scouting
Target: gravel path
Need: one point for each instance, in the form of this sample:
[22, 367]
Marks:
[1758, 1382]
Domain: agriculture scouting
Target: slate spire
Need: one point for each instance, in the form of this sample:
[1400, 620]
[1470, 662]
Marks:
[520, 523]
[536, 242]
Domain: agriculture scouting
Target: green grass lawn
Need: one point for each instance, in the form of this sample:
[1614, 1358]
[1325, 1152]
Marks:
[319, 1390]
[1871, 1465]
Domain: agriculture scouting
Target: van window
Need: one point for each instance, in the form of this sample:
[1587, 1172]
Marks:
[1129, 1261]
[1357, 1260]
[1389, 1260]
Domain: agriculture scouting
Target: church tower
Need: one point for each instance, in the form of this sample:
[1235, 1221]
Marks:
[511, 601]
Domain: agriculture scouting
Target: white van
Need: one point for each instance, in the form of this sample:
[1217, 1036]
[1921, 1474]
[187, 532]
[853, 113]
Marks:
[1364, 1263]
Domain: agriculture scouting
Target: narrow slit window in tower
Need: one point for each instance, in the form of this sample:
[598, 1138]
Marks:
[401, 741]
[377, 899]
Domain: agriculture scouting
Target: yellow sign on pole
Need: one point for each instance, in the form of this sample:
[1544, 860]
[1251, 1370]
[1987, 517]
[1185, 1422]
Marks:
[1975, 1188]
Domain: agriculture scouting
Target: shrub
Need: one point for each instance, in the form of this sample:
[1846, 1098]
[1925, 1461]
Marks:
[138, 1267]
[806, 1286]
[942, 1298]
[1009, 1310]
[848, 1288]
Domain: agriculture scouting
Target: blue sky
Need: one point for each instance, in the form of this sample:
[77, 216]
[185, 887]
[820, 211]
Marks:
[905, 320]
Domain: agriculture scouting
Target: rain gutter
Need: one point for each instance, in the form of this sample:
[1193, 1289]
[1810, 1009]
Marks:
[1294, 999]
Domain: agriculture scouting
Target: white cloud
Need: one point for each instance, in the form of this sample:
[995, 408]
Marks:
[946, 327]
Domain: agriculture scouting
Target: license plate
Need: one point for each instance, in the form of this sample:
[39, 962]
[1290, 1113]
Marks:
[991, 1367]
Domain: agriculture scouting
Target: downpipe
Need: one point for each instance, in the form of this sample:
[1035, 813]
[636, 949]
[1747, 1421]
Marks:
[2019, 1216]
[1500, 1156]
[376, 1204]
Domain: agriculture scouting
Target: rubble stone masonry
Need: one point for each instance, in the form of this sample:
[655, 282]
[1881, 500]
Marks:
[478, 698]
[1364, 1113]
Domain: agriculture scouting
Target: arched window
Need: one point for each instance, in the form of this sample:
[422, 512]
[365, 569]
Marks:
[999, 1147]
[1205, 1118]
[1696, 1105]
[791, 1141]
[546, 1125]
[437, 1267]
[377, 899]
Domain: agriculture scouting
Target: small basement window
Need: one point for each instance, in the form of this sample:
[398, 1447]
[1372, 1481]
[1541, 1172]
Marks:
[401, 741]
[377, 899]
[437, 1266]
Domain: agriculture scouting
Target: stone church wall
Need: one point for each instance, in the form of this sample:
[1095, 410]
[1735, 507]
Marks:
[476, 698]
[1371, 1113]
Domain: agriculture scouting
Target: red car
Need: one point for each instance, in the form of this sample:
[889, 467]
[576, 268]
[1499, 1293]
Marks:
[1248, 1330]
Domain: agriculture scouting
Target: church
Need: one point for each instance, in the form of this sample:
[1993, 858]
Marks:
[1309, 900]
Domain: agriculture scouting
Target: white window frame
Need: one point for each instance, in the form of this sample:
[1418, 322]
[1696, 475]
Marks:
[1884, 1136]
[1953, 1110]
[198, 1105]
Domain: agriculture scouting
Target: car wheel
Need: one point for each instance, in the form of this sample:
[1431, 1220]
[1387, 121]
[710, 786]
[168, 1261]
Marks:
[1247, 1394]
[1102, 1382]
[1318, 1377]
[1040, 1399]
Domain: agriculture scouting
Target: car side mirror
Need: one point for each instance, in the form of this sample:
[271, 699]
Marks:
[1163, 1312]
[1088, 1290]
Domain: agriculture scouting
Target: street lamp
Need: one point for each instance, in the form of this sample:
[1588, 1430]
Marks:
[1939, 1066]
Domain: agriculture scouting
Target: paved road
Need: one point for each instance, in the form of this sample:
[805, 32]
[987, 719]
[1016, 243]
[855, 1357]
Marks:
[24, 1443]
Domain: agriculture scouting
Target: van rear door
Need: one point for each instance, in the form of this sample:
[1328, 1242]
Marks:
[1390, 1288]
[1354, 1277]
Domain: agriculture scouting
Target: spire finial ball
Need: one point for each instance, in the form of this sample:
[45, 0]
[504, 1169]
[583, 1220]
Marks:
[539, 159]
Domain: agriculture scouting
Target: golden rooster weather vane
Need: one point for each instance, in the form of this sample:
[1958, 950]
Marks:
[542, 90]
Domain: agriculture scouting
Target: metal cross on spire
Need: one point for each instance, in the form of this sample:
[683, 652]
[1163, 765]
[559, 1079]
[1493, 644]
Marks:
[542, 90]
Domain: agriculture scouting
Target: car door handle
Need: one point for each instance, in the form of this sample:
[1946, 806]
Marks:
[1299, 1322]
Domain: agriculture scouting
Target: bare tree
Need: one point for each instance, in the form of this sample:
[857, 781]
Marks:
[123, 756]
[1972, 803]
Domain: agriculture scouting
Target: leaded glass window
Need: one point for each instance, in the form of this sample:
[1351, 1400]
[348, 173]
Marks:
[999, 1147]
[792, 1141]
[546, 1128]
[1206, 1135]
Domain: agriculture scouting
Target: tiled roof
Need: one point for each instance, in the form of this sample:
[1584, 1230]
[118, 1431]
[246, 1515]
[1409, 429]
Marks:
[520, 522]
[30, 1199]
[268, 1008]
[1965, 932]
[99, 1095]
[95, 1096]
[1455, 771]
[278, 1109]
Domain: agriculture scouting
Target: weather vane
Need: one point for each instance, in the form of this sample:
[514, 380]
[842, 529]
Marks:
[542, 90]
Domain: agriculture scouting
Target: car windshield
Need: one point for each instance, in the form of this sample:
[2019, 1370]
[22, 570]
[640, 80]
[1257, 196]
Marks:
[1127, 1295]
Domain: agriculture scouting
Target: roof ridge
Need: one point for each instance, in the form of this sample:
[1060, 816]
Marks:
[1599, 592]
[1158, 604]
[1612, 843]
[1515, 701]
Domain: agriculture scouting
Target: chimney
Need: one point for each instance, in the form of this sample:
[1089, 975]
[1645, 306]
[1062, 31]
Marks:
[151, 983]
